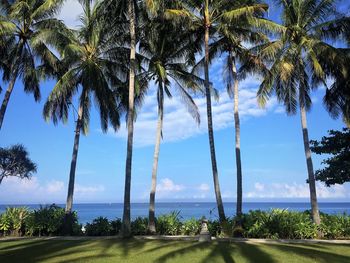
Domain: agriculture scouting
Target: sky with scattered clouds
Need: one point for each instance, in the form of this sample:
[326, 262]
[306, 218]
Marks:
[274, 167]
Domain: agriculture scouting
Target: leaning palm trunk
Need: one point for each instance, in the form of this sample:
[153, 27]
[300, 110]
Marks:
[238, 144]
[220, 205]
[151, 219]
[310, 169]
[6, 99]
[73, 165]
[126, 226]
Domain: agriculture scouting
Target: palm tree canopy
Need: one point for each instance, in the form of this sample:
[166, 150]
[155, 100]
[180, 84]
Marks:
[167, 60]
[96, 64]
[297, 58]
[27, 29]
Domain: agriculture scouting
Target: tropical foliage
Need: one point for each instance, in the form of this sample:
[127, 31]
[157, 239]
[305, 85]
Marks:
[26, 31]
[14, 161]
[123, 49]
[275, 224]
[337, 167]
[297, 64]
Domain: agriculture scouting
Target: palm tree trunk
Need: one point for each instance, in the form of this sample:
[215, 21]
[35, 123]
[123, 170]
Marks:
[219, 203]
[238, 144]
[126, 225]
[151, 217]
[310, 169]
[7, 98]
[73, 165]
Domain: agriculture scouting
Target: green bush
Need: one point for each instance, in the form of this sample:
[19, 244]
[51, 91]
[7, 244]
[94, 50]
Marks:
[116, 226]
[169, 224]
[12, 222]
[49, 221]
[191, 227]
[99, 227]
[278, 223]
[139, 226]
[335, 226]
[214, 227]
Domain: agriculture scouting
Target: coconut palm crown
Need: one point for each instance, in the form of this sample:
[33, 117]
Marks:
[297, 65]
[95, 70]
[27, 28]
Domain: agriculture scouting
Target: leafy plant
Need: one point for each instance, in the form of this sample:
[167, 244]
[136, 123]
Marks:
[116, 226]
[169, 224]
[48, 221]
[99, 227]
[12, 221]
[191, 227]
[139, 226]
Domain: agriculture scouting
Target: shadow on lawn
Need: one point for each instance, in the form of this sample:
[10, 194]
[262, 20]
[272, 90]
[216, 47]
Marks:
[160, 252]
[226, 251]
[77, 250]
[314, 252]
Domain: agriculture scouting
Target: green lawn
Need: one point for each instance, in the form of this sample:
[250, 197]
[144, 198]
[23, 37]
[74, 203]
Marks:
[139, 251]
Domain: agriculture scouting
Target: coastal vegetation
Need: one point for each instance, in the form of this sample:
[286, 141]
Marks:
[122, 49]
[272, 224]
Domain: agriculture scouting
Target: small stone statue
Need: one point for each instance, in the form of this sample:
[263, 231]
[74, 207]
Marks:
[204, 235]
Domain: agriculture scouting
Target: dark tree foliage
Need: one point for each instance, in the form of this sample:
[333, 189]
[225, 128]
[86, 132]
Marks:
[14, 161]
[337, 167]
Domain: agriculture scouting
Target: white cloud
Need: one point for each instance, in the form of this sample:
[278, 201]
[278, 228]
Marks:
[203, 187]
[295, 190]
[259, 186]
[178, 123]
[37, 191]
[80, 189]
[54, 186]
[70, 12]
[168, 186]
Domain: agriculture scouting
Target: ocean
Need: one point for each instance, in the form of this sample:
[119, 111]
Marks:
[88, 212]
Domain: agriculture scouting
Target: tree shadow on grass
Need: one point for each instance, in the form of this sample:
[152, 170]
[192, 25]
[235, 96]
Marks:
[314, 252]
[223, 251]
[39, 250]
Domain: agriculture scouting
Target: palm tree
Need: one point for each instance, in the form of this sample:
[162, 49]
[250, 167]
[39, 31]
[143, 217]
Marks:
[24, 25]
[337, 98]
[230, 40]
[296, 65]
[203, 16]
[92, 61]
[125, 12]
[167, 61]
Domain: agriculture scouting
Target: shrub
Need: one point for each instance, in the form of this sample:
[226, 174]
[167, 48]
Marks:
[335, 226]
[214, 227]
[191, 227]
[99, 227]
[49, 220]
[169, 224]
[12, 221]
[139, 226]
[116, 226]
[278, 223]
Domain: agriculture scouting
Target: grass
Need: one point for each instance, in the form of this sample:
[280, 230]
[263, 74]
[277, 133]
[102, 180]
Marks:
[142, 251]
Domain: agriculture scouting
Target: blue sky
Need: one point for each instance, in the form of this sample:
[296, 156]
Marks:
[274, 167]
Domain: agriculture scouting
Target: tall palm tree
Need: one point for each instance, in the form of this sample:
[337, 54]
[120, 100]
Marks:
[124, 14]
[203, 16]
[231, 40]
[296, 65]
[167, 62]
[94, 68]
[24, 25]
